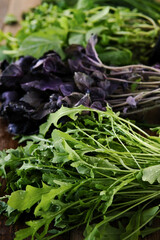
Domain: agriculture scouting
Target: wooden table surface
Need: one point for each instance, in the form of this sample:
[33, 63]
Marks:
[17, 7]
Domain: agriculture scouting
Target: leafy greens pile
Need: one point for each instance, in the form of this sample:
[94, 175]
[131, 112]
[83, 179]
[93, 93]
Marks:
[124, 35]
[96, 170]
[87, 166]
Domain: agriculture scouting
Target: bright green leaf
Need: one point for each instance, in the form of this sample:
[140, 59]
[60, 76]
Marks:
[38, 43]
[22, 200]
[47, 198]
[151, 174]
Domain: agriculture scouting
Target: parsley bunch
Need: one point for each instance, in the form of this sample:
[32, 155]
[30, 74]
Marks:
[124, 35]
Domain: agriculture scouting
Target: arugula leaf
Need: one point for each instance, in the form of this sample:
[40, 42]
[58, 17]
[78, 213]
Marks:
[22, 200]
[149, 213]
[47, 198]
[133, 224]
[105, 232]
[63, 111]
[31, 231]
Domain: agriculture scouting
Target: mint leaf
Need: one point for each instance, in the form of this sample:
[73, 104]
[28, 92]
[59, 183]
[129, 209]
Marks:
[38, 43]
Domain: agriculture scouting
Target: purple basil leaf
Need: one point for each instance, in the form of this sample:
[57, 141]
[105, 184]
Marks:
[25, 63]
[72, 99]
[76, 65]
[98, 105]
[54, 65]
[53, 97]
[43, 85]
[40, 61]
[84, 60]
[97, 94]
[32, 98]
[41, 113]
[66, 88]
[98, 75]
[9, 96]
[75, 50]
[105, 85]
[85, 101]
[11, 75]
[83, 81]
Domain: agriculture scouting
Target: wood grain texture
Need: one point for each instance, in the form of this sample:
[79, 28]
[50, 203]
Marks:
[6, 140]
[4, 4]
[18, 7]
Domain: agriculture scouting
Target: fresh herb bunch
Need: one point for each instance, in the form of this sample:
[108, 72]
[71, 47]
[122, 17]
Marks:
[32, 88]
[124, 35]
[95, 170]
[150, 8]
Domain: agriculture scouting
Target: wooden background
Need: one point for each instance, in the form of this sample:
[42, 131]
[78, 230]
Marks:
[17, 7]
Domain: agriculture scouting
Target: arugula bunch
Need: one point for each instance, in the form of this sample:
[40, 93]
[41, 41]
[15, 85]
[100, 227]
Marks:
[124, 35]
[97, 170]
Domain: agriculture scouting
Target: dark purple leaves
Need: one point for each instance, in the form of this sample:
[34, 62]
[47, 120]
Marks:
[53, 65]
[52, 83]
[97, 94]
[98, 105]
[32, 88]
[72, 99]
[11, 76]
[85, 100]
[33, 98]
[25, 63]
[10, 96]
[85, 60]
